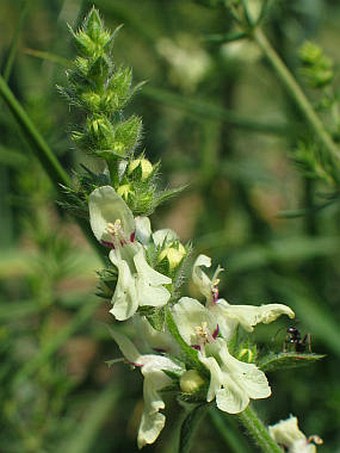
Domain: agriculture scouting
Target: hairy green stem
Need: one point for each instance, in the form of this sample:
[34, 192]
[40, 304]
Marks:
[296, 93]
[258, 432]
[43, 152]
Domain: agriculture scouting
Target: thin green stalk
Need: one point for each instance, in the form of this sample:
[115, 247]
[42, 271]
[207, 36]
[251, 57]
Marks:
[229, 433]
[296, 93]
[51, 347]
[257, 430]
[84, 438]
[15, 40]
[43, 152]
[208, 110]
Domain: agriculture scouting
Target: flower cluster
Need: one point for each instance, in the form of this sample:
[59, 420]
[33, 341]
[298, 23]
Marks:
[190, 347]
[113, 225]
[208, 371]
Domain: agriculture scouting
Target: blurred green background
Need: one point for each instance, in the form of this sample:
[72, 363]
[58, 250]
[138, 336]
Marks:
[220, 121]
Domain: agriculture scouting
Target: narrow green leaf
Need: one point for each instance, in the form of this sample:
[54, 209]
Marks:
[273, 362]
[89, 429]
[228, 430]
[50, 348]
[17, 310]
[15, 40]
[48, 56]
[189, 428]
[226, 37]
[11, 157]
[282, 250]
[43, 152]
[205, 109]
[296, 213]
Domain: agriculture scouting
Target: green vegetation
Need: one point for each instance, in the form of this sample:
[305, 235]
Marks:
[239, 100]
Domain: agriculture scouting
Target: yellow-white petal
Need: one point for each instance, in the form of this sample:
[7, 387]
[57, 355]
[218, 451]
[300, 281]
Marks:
[152, 367]
[247, 316]
[105, 207]
[125, 297]
[200, 278]
[149, 283]
[287, 433]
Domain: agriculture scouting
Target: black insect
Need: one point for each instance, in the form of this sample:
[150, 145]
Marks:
[296, 342]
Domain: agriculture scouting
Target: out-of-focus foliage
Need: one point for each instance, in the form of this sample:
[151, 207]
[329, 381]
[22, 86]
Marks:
[218, 118]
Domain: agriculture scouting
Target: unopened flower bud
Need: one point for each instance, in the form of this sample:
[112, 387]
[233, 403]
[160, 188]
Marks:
[124, 191]
[143, 165]
[100, 127]
[190, 381]
[310, 53]
[174, 254]
[246, 355]
[91, 99]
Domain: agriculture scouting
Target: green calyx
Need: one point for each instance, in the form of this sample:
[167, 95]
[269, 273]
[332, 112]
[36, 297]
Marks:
[317, 68]
[101, 89]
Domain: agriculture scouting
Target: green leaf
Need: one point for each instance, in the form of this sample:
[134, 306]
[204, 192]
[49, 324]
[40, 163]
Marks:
[227, 429]
[189, 427]
[226, 37]
[201, 108]
[25, 4]
[156, 319]
[273, 362]
[96, 415]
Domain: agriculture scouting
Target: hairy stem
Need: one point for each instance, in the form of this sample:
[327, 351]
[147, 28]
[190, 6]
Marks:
[257, 431]
[296, 93]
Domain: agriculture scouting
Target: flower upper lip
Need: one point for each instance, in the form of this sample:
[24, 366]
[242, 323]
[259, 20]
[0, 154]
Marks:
[152, 367]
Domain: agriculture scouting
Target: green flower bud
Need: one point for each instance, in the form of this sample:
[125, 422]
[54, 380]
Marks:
[310, 53]
[100, 127]
[174, 254]
[144, 166]
[191, 381]
[92, 100]
[247, 355]
[323, 77]
[317, 67]
[124, 191]
[126, 136]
